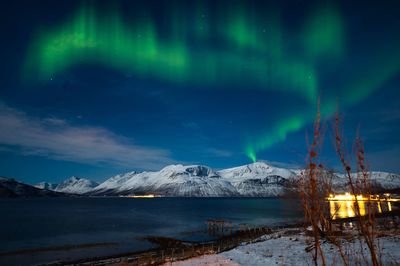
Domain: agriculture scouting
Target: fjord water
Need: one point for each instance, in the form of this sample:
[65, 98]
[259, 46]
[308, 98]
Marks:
[40, 230]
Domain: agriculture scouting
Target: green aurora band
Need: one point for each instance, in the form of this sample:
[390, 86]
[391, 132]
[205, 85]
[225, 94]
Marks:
[89, 38]
[355, 91]
[254, 52]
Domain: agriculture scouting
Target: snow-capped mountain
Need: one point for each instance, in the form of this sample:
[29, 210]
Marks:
[380, 181]
[115, 182]
[46, 185]
[173, 180]
[255, 170]
[76, 185]
[385, 180]
[258, 179]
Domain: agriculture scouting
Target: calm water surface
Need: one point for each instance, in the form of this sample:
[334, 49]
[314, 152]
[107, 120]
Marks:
[36, 224]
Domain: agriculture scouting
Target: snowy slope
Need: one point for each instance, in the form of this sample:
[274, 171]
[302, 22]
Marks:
[114, 183]
[253, 180]
[76, 185]
[379, 181]
[258, 179]
[385, 180]
[173, 180]
[255, 170]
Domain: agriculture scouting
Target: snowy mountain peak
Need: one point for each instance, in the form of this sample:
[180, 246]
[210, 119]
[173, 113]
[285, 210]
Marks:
[255, 179]
[174, 180]
[71, 180]
[174, 171]
[254, 170]
[259, 167]
[76, 185]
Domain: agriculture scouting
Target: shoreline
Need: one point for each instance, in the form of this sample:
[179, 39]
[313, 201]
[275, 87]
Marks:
[171, 250]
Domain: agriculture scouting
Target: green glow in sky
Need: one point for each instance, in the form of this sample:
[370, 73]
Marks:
[137, 47]
[323, 33]
[88, 38]
[275, 135]
[357, 89]
[253, 51]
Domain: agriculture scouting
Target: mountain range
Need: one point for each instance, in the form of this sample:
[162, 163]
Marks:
[258, 179]
[12, 188]
[74, 185]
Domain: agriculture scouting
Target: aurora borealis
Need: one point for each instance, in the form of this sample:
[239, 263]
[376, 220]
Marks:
[257, 66]
[250, 54]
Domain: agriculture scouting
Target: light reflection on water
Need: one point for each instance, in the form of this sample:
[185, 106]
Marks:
[347, 208]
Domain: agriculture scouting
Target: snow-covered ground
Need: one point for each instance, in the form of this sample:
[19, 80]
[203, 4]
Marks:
[206, 260]
[287, 247]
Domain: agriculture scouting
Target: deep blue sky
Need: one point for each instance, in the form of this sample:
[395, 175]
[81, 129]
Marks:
[96, 118]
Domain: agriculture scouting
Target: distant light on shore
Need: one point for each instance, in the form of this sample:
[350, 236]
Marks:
[148, 196]
[350, 197]
[343, 205]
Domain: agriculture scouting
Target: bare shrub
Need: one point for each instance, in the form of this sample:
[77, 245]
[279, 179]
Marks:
[359, 184]
[316, 185]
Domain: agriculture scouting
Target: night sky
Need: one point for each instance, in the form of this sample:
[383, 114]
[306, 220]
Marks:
[96, 88]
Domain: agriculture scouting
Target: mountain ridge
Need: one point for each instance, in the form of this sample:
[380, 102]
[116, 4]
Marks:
[257, 179]
[9, 187]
